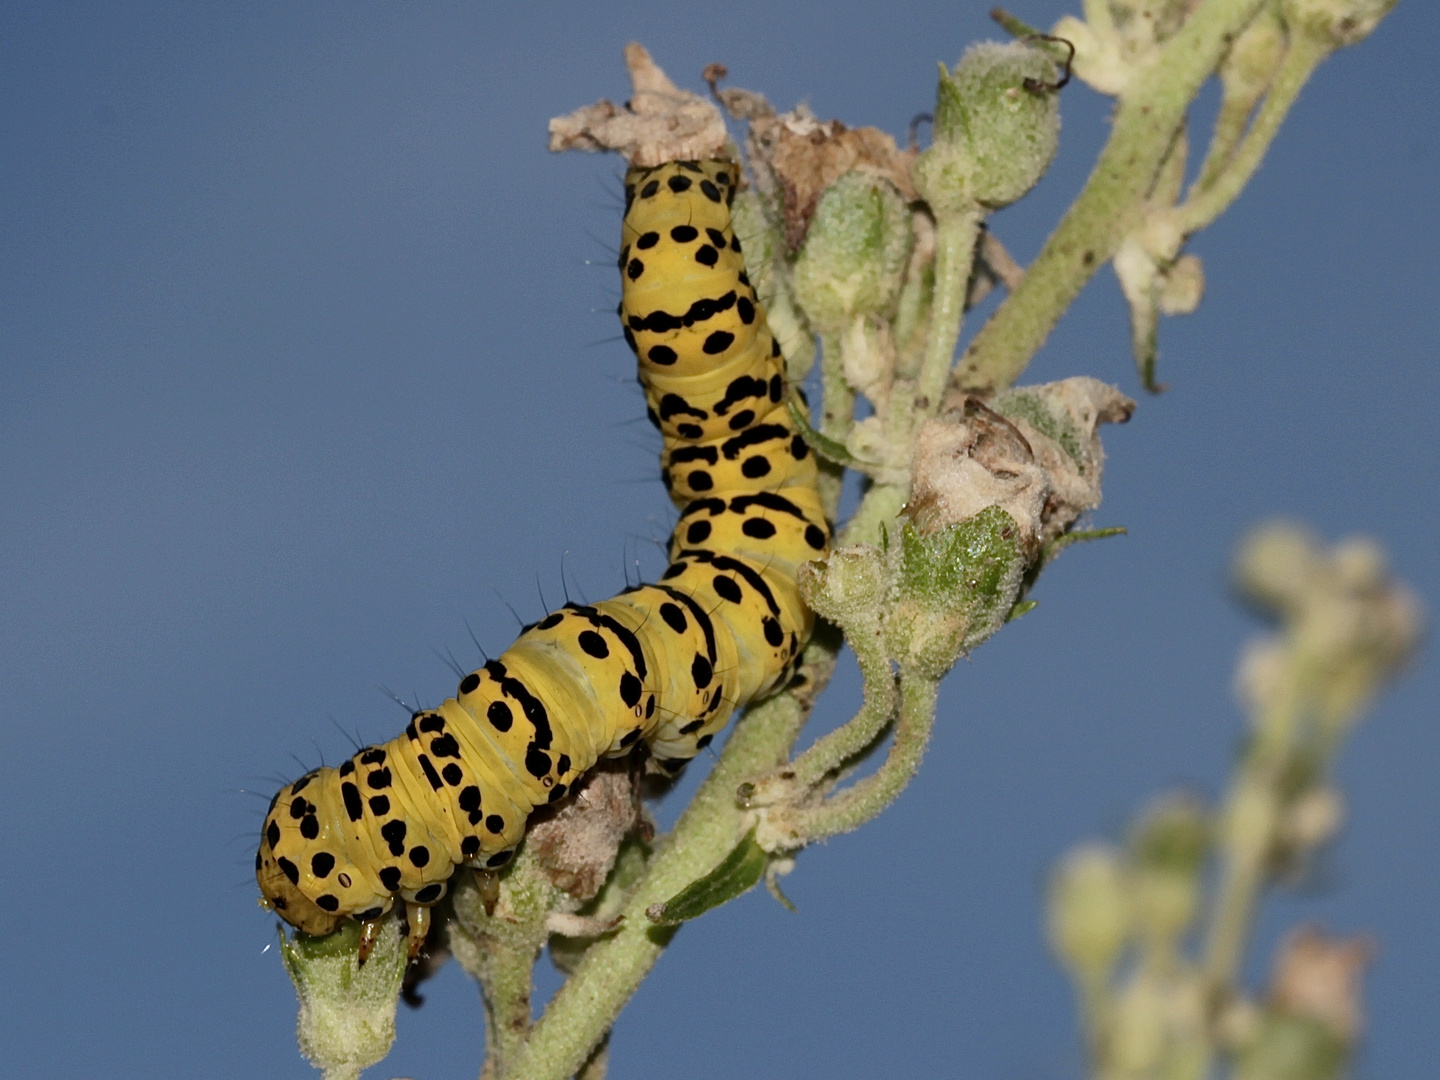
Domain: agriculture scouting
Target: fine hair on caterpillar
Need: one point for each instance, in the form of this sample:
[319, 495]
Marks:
[663, 664]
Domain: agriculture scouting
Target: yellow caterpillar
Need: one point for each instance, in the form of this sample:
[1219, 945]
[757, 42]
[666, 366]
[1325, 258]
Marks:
[665, 664]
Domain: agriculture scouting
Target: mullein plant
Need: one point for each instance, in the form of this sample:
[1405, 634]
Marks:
[1153, 930]
[867, 256]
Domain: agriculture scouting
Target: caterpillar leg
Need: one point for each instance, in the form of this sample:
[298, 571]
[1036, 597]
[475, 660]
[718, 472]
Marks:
[488, 882]
[643, 826]
[418, 917]
[369, 934]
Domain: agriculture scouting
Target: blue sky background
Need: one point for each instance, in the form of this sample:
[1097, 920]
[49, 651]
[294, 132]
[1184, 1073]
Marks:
[308, 356]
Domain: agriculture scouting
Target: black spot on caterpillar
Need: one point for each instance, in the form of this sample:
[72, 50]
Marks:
[666, 663]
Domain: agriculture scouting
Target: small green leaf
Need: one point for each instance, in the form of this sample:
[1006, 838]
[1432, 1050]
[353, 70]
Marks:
[1079, 536]
[826, 447]
[772, 882]
[737, 874]
[1023, 607]
[1013, 25]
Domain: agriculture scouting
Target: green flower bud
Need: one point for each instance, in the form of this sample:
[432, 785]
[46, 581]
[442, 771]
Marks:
[1278, 565]
[848, 588]
[1173, 835]
[1182, 285]
[996, 129]
[1167, 849]
[1089, 912]
[854, 256]
[1336, 22]
[1293, 1048]
[954, 588]
[347, 1012]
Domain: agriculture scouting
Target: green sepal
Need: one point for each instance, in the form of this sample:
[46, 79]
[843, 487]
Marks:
[772, 883]
[1022, 607]
[1079, 536]
[955, 586]
[1013, 25]
[996, 129]
[853, 259]
[346, 1019]
[823, 445]
[302, 947]
[738, 873]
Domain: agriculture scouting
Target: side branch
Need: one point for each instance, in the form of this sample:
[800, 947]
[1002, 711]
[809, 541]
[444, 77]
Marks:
[1151, 111]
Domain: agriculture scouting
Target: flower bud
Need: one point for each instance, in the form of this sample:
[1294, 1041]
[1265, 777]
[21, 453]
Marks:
[997, 125]
[1292, 1048]
[1167, 850]
[848, 587]
[1182, 285]
[1337, 23]
[1318, 977]
[1172, 835]
[1262, 675]
[1312, 819]
[1089, 911]
[1359, 565]
[953, 589]
[853, 259]
[347, 1012]
[1277, 565]
[1097, 61]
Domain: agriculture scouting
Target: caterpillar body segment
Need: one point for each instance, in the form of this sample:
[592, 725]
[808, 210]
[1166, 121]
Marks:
[665, 664]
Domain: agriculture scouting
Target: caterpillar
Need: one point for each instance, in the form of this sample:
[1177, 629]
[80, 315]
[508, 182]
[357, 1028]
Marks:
[665, 664]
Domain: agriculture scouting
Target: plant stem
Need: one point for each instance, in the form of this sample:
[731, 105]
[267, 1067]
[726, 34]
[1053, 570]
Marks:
[1302, 57]
[1230, 124]
[876, 710]
[1151, 110]
[1251, 810]
[865, 799]
[613, 968]
[598, 1063]
[505, 978]
[837, 417]
[955, 237]
[1241, 880]
[880, 505]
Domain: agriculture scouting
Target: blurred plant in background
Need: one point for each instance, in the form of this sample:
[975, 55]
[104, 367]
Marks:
[969, 487]
[1160, 995]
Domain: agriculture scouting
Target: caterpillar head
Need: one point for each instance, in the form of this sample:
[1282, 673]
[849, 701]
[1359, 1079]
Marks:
[284, 898]
[305, 874]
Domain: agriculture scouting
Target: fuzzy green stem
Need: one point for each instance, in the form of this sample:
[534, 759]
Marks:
[1302, 57]
[1151, 110]
[506, 980]
[1250, 815]
[912, 311]
[1242, 878]
[790, 329]
[877, 509]
[837, 417]
[955, 238]
[499, 951]
[865, 799]
[848, 741]
[613, 968]
[1230, 124]
[598, 1064]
